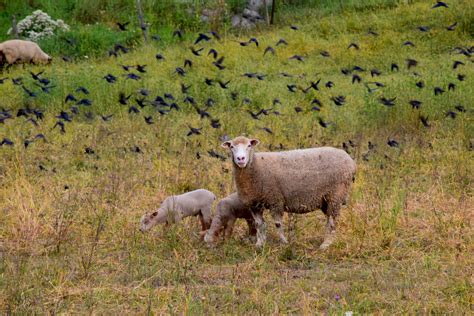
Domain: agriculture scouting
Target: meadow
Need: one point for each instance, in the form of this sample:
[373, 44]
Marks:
[70, 202]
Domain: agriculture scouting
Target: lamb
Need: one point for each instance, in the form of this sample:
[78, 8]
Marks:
[20, 51]
[176, 207]
[228, 210]
[296, 181]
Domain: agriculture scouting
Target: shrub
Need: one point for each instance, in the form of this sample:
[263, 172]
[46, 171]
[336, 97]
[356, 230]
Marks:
[39, 25]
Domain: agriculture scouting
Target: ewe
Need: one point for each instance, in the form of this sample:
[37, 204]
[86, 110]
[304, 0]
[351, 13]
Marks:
[176, 207]
[19, 51]
[296, 181]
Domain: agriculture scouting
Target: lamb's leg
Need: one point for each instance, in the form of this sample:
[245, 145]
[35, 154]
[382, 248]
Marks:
[261, 227]
[252, 228]
[331, 215]
[229, 227]
[206, 217]
[278, 219]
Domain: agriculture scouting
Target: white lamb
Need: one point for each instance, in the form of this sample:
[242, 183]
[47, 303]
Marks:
[176, 207]
[296, 181]
[228, 210]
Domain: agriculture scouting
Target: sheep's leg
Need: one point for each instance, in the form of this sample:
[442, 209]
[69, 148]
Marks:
[206, 217]
[332, 213]
[261, 227]
[252, 228]
[278, 219]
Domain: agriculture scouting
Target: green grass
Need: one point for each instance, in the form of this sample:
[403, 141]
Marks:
[69, 239]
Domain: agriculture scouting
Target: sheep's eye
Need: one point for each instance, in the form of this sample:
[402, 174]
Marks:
[249, 146]
[231, 147]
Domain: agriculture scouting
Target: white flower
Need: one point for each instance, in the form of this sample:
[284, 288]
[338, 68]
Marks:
[39, 25]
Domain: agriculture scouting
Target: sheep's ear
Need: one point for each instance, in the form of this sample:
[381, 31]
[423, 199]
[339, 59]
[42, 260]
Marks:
[154, 214]
[226, 144]
[254, 142]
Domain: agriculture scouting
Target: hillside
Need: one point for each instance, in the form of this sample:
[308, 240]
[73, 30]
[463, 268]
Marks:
[82, 159]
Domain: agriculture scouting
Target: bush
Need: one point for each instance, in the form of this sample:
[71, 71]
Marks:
[39, 25]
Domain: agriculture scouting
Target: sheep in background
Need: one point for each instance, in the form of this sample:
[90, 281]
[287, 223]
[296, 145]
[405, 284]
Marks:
[228, 210]
[20, 51]
[296, 181]
[176, 207]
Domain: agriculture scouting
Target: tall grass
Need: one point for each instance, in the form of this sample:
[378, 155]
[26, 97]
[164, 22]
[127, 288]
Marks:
[69, 239]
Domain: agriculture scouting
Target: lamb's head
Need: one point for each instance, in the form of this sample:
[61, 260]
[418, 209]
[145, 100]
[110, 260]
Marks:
[148, 221]
[242, 149]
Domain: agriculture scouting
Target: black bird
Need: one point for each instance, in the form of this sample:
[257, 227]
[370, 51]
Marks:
[452, 27]
[223, 84]
[316, 101]
[123, 99]
[291, 87]
[209, 102]
[155, 37]
[61, 126]
[215, 123]
[2, 80]
[392, 143]
[387, 102]
[212, 52]
[194, 131]
[106, 118]
[451, 114]
[202, 113]
[45, 89]
[297, 57]
[266, 129]
[218, 63]
[461, 77]
[180, 71]
[185, 88]
[424, 120]
[17, 81]
[64, 116]
[325, 53]
[196, 52]
[178, 33]
[294, 27]
[29, 92]
[408, 43]
[202, 37]
[36, 76]
[253, 40]
[159, 57]
[133, 76]
[141, 102]
[298, 109]
[423, 28]
[322, 123]
[85, 102]
[281, 41]
[148, 120]
[460, 108]
[439, 4]
[329, 84]
[189, 99]
[255, 116]
[269, 49]
[208, 81]
[372, 32]
[353, 45]
[133, 109]
[83, 90]
[438, 90]
[420, 84]
[356, 78]
[339, 100]
[394, 67]
[110, 78]
[188, 63]
[357, 68]
[6, 141]
[411, 63]
[216, 35]
[457, 63]
[33, 121]
[375, 72]
[123, 26]
[415, 104]
[140, 68]
[243, 44]
[215, 154]
[451, 86]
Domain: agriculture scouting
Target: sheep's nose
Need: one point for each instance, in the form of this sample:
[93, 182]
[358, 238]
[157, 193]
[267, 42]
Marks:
[240, 158]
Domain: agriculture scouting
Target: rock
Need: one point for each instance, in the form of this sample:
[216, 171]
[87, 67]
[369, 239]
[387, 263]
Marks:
[251, 15]
[235, 21]
[255, 5]
[246, 24]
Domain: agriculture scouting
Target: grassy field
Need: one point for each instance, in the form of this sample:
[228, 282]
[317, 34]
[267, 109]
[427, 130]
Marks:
[70, 203]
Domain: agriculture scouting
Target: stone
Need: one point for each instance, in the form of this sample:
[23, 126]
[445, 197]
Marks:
[235, 21]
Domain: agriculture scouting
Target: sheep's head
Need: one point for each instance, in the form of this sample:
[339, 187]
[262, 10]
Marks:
[148, 221]
[242, 150]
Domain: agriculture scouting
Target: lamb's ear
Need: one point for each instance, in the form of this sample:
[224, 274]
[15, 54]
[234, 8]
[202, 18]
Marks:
[154, 214]
[254, 142]
[225, 145]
